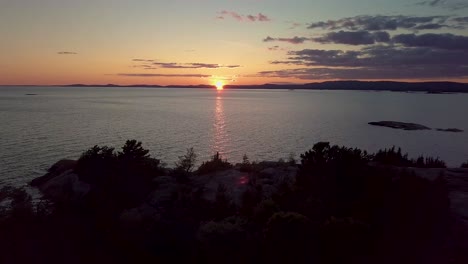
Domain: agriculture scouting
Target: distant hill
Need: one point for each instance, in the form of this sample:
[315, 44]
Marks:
[430, 87]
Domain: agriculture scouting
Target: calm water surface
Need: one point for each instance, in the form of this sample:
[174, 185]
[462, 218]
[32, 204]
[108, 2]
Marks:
[58, 122]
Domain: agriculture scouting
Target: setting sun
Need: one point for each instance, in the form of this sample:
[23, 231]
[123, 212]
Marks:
[219, 85]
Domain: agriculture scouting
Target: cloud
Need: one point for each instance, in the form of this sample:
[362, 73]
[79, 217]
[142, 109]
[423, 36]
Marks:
[162, 75]
[374, 62]
[341, 37]
[354, 37]
[152, 64]
[450, 4]
[461, 20]
[294, 40]
[375, 56]
[367, 73]
[293, 24]
[250, 18]
[67, 53]
[380, 23]
[142, 60]
[439, 41]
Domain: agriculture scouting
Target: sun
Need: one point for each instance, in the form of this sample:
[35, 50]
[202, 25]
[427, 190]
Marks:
[219, 85]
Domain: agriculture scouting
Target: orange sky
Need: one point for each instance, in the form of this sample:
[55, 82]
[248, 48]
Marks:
[53, 42]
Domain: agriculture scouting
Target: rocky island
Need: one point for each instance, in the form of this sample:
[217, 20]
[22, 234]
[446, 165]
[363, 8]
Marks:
[454, 130]
[400, 125]
[411, 126]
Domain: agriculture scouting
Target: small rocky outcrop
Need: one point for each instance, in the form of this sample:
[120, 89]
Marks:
[454, 130]
[61, 182]
[400, 125]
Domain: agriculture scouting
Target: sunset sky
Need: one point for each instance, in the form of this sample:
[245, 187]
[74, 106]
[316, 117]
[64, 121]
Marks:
[234, 41]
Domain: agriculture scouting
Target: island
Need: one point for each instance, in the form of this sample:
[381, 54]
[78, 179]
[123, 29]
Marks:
[454, 130]
[400, 125]
[346, 85]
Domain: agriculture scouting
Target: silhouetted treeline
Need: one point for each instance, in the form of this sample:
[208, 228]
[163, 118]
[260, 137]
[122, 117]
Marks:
[338, 209]
[396, 158]
[430, 87]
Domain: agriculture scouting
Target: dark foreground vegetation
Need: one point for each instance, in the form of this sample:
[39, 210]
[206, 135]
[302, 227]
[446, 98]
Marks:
[342, 206]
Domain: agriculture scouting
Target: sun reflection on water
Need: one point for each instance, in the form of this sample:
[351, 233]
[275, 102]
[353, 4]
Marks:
[220, 139]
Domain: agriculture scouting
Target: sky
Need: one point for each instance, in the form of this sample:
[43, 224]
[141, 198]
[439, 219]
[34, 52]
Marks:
[191, 42]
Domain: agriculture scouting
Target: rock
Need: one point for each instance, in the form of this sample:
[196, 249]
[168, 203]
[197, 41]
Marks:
[54, 171]
[162, 195]
[65, 186]
[61, 182]
[400, 125]
[136, 216]
[455, 130]
[280, 174]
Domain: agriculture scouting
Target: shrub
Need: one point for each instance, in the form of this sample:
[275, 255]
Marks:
[289, 238]
[223, 241]
[245, 166]
[291, 159]
[323, 165]
[95, 164]
[396, 158]
[392, 157]
[215, 164]
[16, 204]
[464, 165]
[344, 240]
[429, 162]
[122, 179]
[223, 205]
[264, 210]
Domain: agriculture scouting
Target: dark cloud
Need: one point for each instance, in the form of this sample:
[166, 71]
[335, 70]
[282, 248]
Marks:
[403, 72]
[380, 23]
[142, 60]
[262, 17]
[251, 18]
[432, 2]
[293, 24]
[450, 4]
[162, 75]
[293, 40]
[67, 53]
[152, 64]
[375, 56]
[462, 20]
[354, 37]
[439, 41]
[375, 62]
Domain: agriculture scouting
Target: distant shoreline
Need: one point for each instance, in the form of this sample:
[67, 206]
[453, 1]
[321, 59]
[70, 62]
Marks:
[429, 87]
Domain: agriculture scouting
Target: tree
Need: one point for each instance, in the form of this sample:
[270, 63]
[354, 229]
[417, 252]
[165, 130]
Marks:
[132, 150]
[186, 163]
[215, 164]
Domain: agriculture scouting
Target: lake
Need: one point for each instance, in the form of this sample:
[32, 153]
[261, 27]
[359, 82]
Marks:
[62, 122]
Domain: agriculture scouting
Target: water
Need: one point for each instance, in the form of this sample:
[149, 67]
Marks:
[59, 122]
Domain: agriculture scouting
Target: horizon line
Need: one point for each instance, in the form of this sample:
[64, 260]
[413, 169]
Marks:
[227, 85]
